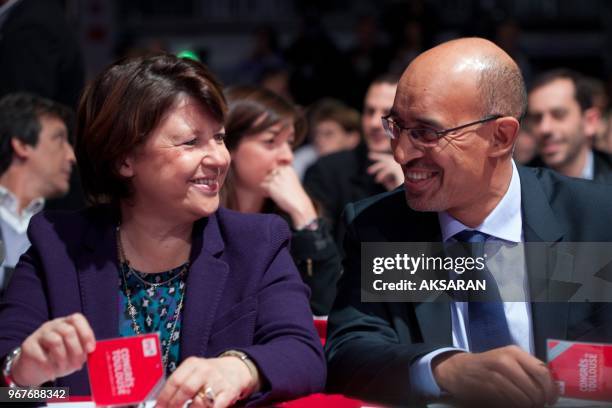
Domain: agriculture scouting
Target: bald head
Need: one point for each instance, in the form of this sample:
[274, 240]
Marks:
[479, 65]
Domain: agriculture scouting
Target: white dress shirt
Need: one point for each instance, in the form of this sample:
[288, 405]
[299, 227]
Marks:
[504, 226]
[588, 172]
[13, 226]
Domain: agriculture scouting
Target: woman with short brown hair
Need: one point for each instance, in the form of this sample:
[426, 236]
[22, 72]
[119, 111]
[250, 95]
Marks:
[153, 254]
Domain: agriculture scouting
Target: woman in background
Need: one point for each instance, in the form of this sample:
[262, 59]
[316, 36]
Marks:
[261, 130]
[153, 254]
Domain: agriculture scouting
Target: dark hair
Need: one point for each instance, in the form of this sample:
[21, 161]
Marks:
[252, 110]
[123, 105]
[336, 111]
[582, 88]
[20, 115]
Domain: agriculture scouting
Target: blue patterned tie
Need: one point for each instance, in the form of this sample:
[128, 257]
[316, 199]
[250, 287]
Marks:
[487, 325]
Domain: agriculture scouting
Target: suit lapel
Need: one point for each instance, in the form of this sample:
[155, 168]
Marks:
[434, 317]
[205, 285]
[97, 268]
[541, 226]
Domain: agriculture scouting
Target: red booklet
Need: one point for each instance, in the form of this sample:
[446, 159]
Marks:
[126, 370]
[581, 370]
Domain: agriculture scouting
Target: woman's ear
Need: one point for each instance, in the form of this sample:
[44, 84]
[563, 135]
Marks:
[126, 168]
[506, 131]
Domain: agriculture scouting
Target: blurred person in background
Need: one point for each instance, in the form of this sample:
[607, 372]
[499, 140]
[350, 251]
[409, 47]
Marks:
[155, 254]
[336, 127]
[276, 79]
[343, 177]
[600, 100]
[603, 141]
[261, 130]
[36, 161]
[333, 127]
[40, 53]
[525, 148]
[562, 117]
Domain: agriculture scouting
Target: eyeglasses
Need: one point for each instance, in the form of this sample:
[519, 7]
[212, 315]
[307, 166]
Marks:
[425, 136]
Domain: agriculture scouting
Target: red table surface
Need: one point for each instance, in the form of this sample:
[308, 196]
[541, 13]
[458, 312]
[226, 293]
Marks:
[323, 400]
[314, 400]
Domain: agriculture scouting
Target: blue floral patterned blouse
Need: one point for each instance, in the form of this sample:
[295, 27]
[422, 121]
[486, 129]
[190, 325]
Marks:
[155, 306]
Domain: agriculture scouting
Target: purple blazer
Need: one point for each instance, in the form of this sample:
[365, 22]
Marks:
[243, 292]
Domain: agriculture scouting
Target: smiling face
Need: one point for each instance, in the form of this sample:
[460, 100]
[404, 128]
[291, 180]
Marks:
[256, 156]
[180, 169]
[467, 171]
[452, 173]
[377, 103]
[558, 123]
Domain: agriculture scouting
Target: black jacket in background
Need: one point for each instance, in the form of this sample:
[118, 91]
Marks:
[338, 179]
[602, 173]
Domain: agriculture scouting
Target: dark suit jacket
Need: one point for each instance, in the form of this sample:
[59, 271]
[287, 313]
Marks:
[243, 292]
[602, 163]
[338, 179]
[370, 346]
[603, 167]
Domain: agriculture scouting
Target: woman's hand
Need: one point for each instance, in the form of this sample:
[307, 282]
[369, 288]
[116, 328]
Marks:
[285, 189]
[208, 382]
[57, 348]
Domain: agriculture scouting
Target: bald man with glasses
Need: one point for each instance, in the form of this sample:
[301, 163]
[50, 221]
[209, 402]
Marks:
[453, 126]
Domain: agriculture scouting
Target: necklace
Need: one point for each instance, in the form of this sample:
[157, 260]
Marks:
[156, 284]
[132, 309]
[123, 259]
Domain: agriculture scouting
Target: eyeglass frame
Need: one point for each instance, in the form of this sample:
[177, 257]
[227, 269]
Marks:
[439, 133]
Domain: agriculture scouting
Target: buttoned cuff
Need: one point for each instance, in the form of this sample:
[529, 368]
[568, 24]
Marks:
[423, 383]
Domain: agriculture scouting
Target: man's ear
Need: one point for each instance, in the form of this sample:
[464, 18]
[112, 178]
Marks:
[590, 119]
[504, 136]
[21, 150]
[126, 167]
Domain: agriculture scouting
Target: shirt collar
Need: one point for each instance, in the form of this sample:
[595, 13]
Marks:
[504, 222]
[588, 171]
[11, 203]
